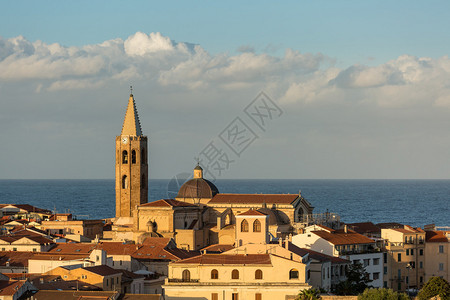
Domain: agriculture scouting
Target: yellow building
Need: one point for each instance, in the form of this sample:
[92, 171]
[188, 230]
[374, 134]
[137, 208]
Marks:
[404, 262]
[106, 278]
[437, 257]
[235, 276]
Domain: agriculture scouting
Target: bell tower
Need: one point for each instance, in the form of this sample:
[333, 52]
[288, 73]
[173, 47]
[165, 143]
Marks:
[131, 164]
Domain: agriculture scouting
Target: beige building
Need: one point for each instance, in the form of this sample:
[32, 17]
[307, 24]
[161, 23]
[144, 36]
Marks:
[25, 243]
[87, 228]
[235, 276]
[106, 278]
[404, 262]
[437, 257]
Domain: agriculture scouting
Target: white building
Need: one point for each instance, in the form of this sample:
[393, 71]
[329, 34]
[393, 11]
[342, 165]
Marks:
[345, 244]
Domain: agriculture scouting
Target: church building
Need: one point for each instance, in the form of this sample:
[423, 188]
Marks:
[199, 215]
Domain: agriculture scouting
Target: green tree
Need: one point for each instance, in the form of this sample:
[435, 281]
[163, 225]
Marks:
[435, 286]
[357, 281]
[382, 294]
[311, 294]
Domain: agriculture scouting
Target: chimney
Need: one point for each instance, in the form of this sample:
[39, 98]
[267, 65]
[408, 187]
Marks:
[345, 229]
[286, 243]
[290, 237]
[280, 241]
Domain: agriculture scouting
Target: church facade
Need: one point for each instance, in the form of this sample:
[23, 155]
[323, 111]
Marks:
[199, 215]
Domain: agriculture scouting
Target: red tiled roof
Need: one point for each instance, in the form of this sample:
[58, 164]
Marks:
[364, 227]
[15, 258]
[254, 198]
[56, 256]
[102, 270]
[160, 241]
[339, 237]
[252, 212]
[227, 259]
[218, 248]
[9, 288]
[436, 237]
[27, 207]
[167, 203]
[76, 248]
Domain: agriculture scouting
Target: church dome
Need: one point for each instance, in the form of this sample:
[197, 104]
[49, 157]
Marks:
[198, 187]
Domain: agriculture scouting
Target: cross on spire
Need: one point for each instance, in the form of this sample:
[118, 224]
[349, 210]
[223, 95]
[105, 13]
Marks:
[131, 89]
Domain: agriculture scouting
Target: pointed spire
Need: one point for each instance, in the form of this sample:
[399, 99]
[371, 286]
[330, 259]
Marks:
[131, 124]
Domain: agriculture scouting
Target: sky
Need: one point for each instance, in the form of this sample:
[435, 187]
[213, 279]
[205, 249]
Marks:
[310, 89]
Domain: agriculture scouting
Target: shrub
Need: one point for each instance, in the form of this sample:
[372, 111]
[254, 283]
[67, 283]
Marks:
[435, 286]
[382, 294]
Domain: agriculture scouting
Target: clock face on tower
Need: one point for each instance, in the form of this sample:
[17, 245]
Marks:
[124, 140]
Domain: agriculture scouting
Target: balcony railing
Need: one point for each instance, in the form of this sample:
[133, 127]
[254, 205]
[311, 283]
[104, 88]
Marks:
[183, 280]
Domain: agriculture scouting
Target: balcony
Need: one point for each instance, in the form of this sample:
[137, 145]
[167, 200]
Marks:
[183, 280]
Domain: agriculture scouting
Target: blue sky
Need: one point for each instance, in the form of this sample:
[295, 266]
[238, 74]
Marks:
[350, 31]
[363, 85]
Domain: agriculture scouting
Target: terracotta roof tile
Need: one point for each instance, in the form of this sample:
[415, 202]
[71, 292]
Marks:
[76, 248]
[342, 238]
[15, 258]
[227, 259]
[102, 270]
[218, 248]
[254, 198]
[364, 227]
[252, 212]
[167, 203]
[436, 237]
[69, 295]
[9, 288]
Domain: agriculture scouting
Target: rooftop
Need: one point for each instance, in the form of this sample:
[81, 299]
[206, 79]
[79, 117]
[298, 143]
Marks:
[228, 259]
[253, 198]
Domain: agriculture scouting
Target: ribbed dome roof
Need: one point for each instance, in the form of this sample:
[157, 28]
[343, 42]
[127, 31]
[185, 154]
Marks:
[197, 188]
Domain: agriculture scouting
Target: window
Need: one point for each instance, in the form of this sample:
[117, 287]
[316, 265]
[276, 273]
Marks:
[356, 261]
[34, 250]
[124, 157]
[385, 284]
[235, 274]
[441, 267]
[385, 270]
[399, 257]
[421, 279]
[214, 296]
[214, 274]
[186, 275]
[133, 156]
[244, 226]
[235, 296]
[385, 258]
[258, 296]
[293, 274]
[421, 264]
[441, 248]
[256, 226]
[258, 274]
[421, 252]
[366, 262]
[376, 276]
[14, 249]
[407, 251]
[376, 261]
[107, 282]
[124, 182]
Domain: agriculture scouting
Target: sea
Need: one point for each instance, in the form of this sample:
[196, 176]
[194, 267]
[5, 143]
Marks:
[413, 202]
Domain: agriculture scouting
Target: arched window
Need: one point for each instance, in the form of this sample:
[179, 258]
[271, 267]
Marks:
[124, 157]
[341, 273]
[244, 226]
[293, 274]
[143, 181]
[300, 215]
[143, 156]
[214, 274]
[133, 156]
[186, 276]
[124, 182]
[235, 274]
[256, 226]
[258, 274]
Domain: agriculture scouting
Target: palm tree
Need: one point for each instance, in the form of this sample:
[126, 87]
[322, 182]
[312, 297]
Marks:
[311, 294]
